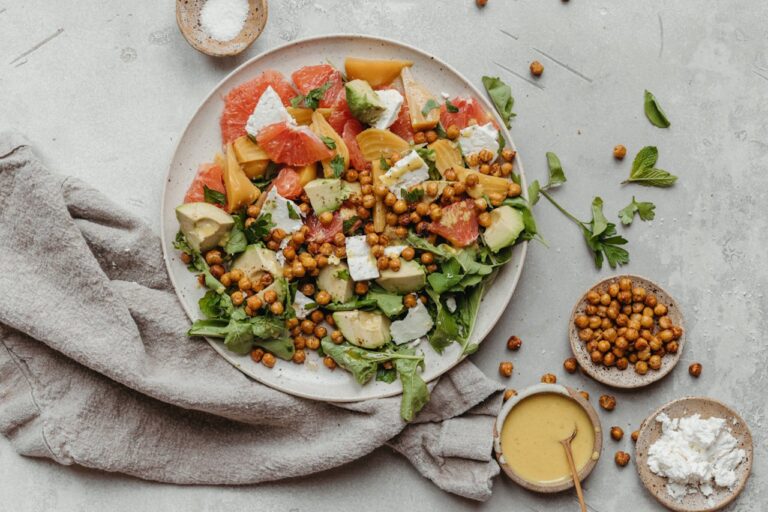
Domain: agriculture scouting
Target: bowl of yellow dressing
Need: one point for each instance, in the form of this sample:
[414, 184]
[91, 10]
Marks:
[528, 431]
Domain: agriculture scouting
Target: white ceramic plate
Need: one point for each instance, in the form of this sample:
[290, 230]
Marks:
[202, 139]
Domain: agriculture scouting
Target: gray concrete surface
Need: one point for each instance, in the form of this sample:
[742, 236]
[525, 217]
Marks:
[106, 98]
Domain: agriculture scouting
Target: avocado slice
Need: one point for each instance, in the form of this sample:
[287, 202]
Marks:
[256, 260]
[506, 225]
[326, 195]
[364, 329]
[410, 278]
[363, 101]
[203, 224]
[330, 279]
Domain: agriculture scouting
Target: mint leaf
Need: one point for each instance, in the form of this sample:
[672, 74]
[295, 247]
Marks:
[337, 166]
[654, 113]
[329, 141]
[313, 97]
[644, 173]
[501, 96]
[429, 106]
[556, 173]
[213, 196]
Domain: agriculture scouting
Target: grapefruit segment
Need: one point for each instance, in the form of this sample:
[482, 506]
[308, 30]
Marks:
[240, 102]
[468, 109]
[208, 175]
[351, 130]
[288, 183]
[292, 145]
[458, 223]
[314, 77]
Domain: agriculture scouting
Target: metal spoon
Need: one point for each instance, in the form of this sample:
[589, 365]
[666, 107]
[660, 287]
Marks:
[575, 474]
[188, 20]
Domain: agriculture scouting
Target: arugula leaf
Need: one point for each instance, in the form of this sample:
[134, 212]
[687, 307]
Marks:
[259, 229]
[467, 310]
[450, 107]
[644, 209]
[446, 330]
[213, 196]
[501, 96]
[348, 224]
[412, 196]
[451, 274]
[292, 213]
[429, 106]
[241, 333]
[351, 305]
[556, 174]
[654, 113]
[599, 234]
[343, 274]
[180, 244]
[328, 141]
[215, 306]
[236, 242]
[239, 338]
[420, 243]
[386, 375]
[415, 391]
[389, 303]
[265, 180]
[337, 166]
[644, 173]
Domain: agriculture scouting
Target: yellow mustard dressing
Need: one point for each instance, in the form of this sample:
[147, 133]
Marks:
[531, 434]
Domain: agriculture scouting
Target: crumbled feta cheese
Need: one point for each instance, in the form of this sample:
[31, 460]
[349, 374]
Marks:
[362, 264]
[333, 260]
[475, 138]
[405, 173]
[269, 110]
[280, 210]
[416, 324]
[392, 100]
[301, 303]
[445, 95]
[450, 303]
[393, 251]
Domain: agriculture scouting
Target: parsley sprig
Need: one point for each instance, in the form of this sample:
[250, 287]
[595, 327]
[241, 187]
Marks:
[312, 98]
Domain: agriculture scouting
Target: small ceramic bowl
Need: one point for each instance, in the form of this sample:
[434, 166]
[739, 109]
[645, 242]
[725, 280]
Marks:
[612, 376]
[535, 390]
[188, 19]
[650, 431]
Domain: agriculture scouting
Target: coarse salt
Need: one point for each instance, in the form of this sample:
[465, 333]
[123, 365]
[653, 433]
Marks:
[695, 455]
[223, 19]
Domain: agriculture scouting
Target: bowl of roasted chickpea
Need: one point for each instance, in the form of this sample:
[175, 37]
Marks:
[626, 331]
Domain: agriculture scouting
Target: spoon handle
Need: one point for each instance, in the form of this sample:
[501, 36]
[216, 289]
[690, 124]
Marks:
[574, 474]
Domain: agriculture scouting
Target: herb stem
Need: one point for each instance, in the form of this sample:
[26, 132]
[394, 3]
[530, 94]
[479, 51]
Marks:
[563, 210]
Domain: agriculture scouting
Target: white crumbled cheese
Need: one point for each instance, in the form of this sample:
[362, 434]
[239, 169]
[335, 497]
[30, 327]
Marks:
[269, 110]
[476, 138]
[362, 264]
[445, 95]
[333, 260]
[393, 251]
[392, 100]
[280, 210]
[417, 323]
[279, 254]
[405, 173]
[450, 303]
[694, 455]
[300, 303]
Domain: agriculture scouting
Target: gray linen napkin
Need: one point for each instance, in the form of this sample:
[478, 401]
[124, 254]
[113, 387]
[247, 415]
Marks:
[96, 368]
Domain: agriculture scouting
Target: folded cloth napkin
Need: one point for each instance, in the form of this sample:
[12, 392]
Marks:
[96, 368]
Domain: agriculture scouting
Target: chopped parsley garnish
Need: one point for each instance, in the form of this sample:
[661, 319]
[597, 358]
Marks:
[213, 196]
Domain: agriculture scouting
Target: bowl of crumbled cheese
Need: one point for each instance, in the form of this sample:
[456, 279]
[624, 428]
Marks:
[221, 28]
[694, 454]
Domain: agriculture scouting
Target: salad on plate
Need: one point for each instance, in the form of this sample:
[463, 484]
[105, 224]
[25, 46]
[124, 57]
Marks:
[353, 215]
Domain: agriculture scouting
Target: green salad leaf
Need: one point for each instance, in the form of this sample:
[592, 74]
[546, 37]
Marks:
[644, 173]
[259, 229]
[415, 391]
[501, 96]
[236, 241]
[213, 196]
[644, 209]
[241, 333]
[653, 111]
[556, 174]
[390, 304]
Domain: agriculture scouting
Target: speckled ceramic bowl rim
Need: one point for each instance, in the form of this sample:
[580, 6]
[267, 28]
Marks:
[614, 377]
[642, 460]
[493, 314]
[538, 389]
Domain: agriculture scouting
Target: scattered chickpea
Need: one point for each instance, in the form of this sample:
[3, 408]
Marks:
[481, 3]
[313, 342]
[257, 354]
[329, 363]
[607, 402]
[410, 300]
[621, 458]
[337, 337]
[695, 369]
[571, 365]
[361, 288]
[268, 360]
[509, 393]
[255, 303]
[617, 433]
[635, 434]
[549, 378]
[619, 152]
[185, 258]
[452, 132]
[505, 369]
[325, 218]
[323, 297]
[536, 68]
[484, 219]
[237, 298]
[408, 253]
[584, 394]
[514, 343]
[299, 357]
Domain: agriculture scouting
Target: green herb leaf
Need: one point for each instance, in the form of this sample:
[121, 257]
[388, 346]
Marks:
[429, 106]
[556, 174]
[329, 141]
[386, 375]
[383, 164]
[415, 391]
[216, 306]
[501, 96]
[213, 196]
[644, 209]
[450, 107]
[654, 113]
[644, 173]
[313, 97]
[292, 213]
[297, 100]
[236, 241]
[390, 304]
[259, 229]
[412, 196]
[349, 224]
[420, 243]
[441, 131]
[599, 223]
[343, 274]
[533, 192]
[337, 166]
[449, 276]
[429, 157]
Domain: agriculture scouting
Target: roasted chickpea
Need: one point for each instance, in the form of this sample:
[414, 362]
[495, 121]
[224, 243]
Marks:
[621, 458]
[299, 357]
[484, 219]
[509, 393]
[514, 190]
[622, 363]
[617, 433]
[549, 378]
[660, 310]
[408, 253]
[641, 367]
[268, 360]
[635, 434]
[695, 369]
[329, 363]
[394, 264]
[596, 356]
[536, 68]
[323, 297]
[257, 354]
[337, 337]
[508, 154]
[237, 298]
[514, 343]
[419, 138]
[607, 402]
[313, 342]
[255, 303]
[410, 301]
[325, 218]
[619, 152]
[505, 369]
